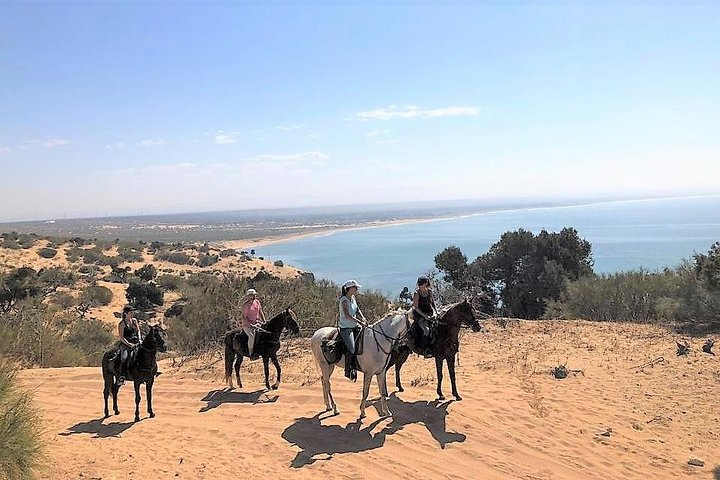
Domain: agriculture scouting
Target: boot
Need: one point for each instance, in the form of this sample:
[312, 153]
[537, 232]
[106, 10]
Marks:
[350, 369]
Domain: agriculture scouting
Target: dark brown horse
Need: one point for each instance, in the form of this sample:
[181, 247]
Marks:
[267, 344]
[141, 369]
[447, 344]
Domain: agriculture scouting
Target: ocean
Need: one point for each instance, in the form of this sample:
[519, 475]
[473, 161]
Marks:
[625, 235]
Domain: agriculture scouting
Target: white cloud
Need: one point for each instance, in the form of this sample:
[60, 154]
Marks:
[225, 138]
[152, 142]
[116, 146]
[314, 136]
[58, 142]
[293, 126]
[4, 149]
[183, 167]
[291, 159]
[412, 112]
[377, 133]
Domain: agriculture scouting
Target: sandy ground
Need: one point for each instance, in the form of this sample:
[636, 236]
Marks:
[611, 419]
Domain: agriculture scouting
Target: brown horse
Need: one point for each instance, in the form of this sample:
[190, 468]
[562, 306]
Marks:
[267, 344]
[447, 344]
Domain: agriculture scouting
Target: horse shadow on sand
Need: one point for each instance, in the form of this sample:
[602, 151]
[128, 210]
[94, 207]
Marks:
[314, 438]
[98, 428]
[215, 398]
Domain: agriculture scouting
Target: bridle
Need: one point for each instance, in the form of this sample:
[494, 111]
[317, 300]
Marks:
[393, 340]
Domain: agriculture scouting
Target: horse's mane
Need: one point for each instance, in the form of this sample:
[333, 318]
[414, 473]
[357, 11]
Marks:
[390, 314]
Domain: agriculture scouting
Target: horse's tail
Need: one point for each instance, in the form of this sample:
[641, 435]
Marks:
[229, 355]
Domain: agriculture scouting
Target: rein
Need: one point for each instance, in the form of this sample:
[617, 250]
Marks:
[387, 337]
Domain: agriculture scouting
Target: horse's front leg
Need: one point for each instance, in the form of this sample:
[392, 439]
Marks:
[438, 367]
[399, 362]
[137, 401]
[107, 391]
[266, 369]
[148, 394]
[451, 370]
[367, 378]
[278, 371]
[382, 386]
[115, 390]
[238, 362]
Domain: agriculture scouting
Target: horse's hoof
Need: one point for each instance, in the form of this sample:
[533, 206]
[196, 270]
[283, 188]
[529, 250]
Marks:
[274, 387]
[152, 415]
[107, 415]
[401, 389]
[441, 397]
[117, 412]
[362, 415]
[137, 419]
[458, 397]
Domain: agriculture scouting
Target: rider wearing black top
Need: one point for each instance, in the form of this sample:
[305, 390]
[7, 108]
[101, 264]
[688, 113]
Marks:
[129, 333]
[424, 312]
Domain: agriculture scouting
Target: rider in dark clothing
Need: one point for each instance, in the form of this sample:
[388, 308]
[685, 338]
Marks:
[129, 333]
[424, 313]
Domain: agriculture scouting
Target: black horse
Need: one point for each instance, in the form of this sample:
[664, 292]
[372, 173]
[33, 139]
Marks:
[267, 344]
[141, 369]
[446, 345]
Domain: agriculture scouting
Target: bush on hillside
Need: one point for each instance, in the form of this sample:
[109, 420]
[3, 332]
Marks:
[146, 272]
[130, 255]
[228, 252]
[144, 295]
[278, 263]
[92, 337]
[178, 258]
[207, 260]
[20, 425]
[47, 252]
[96, 295]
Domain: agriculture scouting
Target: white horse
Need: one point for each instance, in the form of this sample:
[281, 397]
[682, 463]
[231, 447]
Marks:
[378, 339]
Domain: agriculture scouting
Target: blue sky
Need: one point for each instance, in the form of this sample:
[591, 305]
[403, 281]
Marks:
[129, 108]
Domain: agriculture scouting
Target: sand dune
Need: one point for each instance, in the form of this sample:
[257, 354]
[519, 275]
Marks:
[614, 420]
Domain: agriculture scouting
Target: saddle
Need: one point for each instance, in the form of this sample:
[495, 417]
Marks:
[418, 341]
[240, 342]
[334, 348]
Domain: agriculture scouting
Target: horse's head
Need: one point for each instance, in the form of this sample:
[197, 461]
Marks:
[290, 322]
[156, 338]
[462, 314]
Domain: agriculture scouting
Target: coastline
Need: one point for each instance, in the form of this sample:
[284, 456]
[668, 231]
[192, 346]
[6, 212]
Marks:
[317, 231]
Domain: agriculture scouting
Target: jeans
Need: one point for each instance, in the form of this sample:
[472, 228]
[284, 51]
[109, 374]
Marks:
[347, 335]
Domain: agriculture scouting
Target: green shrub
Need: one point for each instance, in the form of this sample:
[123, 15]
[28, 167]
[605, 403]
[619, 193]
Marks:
[92, 337]
[278, 263]
[143, 295]
[20, 428]
[47, 252]
[178, 258]
[207, 260]
[228, 252]
[130, 255]
[169, 282]
[73, 254]
[96, 295]
[146, 272]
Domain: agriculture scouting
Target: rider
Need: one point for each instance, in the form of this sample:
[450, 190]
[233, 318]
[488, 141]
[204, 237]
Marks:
[130, 338]
[350, 318]
[424, 312]
[253, 315]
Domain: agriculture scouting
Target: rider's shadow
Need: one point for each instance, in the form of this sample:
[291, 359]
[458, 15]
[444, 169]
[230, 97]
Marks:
[431, 414]
[98, 428]
[215, 398]
[314, 438]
